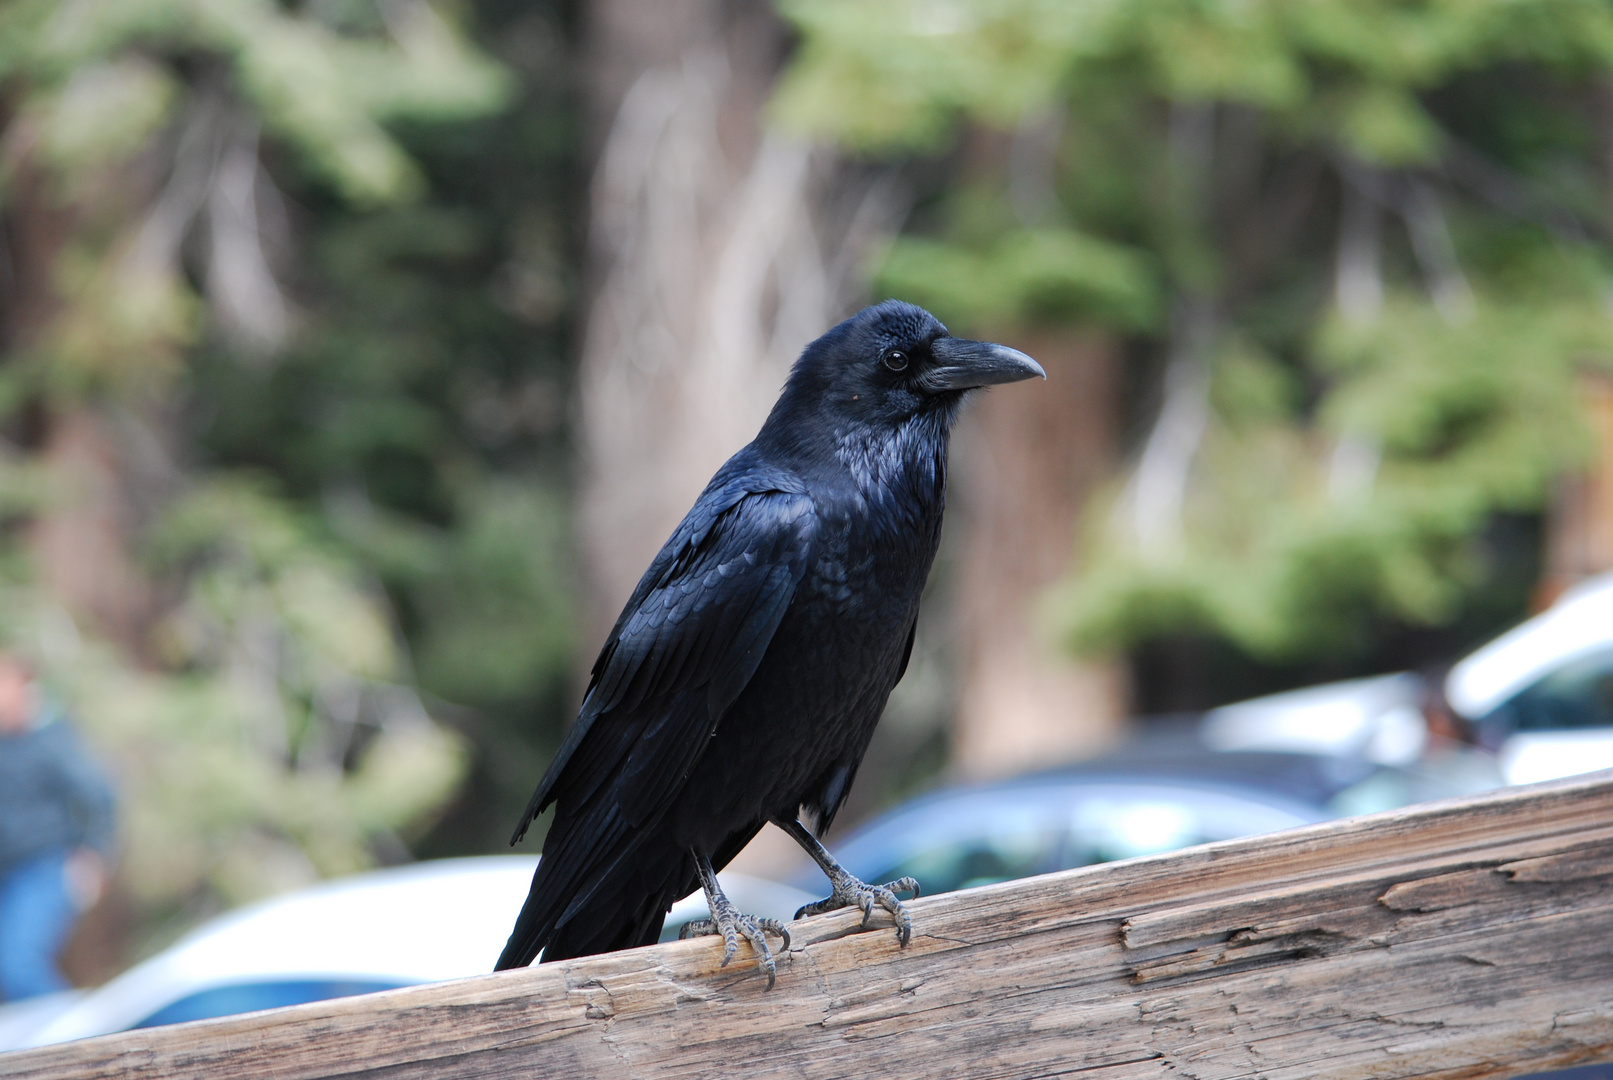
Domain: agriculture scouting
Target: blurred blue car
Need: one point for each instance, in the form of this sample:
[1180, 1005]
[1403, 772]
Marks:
[1138, 802]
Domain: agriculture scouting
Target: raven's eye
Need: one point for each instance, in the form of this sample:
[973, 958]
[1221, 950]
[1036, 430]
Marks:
[896, 360]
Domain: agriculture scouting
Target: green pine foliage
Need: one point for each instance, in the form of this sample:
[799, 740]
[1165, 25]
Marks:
[1166, 156]
[360, 616]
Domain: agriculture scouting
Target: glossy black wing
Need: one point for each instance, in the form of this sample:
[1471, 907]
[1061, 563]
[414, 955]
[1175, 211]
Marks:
[686, 644]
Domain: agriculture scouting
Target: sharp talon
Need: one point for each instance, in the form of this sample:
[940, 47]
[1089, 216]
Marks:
[734, 924]
[755, 931]
[849, 892]
[773, 926]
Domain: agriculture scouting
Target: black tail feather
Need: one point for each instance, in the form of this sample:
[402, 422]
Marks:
[634, 879]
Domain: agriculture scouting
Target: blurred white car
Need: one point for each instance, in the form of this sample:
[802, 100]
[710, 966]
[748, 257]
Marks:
[1378, 719]
[1542, 693]
[430, 921]
[1540, 697]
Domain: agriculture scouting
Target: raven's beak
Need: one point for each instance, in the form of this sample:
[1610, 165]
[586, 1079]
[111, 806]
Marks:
[962, 364]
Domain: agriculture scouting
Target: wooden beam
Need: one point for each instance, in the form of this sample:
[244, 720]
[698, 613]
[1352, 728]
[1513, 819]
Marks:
[1467, 938]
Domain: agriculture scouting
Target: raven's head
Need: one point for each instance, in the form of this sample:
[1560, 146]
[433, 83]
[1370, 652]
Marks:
[891, 362]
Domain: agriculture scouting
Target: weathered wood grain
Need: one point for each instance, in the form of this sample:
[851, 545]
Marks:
[1469, 938]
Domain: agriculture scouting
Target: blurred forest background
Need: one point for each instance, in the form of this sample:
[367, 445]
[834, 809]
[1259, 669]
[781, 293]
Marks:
[356, 355]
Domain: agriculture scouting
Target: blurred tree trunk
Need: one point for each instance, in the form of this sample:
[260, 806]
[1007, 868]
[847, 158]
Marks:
[1579, 527]
[105, 466]
[1026, 464]
[80, 542]
[1027, 461]
[717, 250]
[79, 539]
[1579, 522]
[35, 230]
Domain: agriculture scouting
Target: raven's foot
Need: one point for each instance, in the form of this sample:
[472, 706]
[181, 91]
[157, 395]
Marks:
[850, 892]
[732, 924]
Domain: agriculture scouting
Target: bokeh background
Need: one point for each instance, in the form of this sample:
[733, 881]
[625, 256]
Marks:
[356, 355]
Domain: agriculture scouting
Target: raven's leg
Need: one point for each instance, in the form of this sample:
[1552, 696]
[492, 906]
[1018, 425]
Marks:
[848, 891]
[731, 923]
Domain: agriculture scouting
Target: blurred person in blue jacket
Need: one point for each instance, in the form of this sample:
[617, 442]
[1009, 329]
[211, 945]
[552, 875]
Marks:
[56, 833]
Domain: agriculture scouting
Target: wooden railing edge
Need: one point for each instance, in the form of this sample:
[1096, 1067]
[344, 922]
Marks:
[1469, 937]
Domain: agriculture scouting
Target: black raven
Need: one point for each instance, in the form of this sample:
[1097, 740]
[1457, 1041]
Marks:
[744, 678]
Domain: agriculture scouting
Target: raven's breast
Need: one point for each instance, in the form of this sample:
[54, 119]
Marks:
[814, 701]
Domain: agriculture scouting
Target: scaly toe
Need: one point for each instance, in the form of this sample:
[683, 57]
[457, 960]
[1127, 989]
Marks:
[832, 902]
[758, 939]
[773, 926]
[887, 900]
[734, 924]
[866, 901]
[905, 884]
[853, 893]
